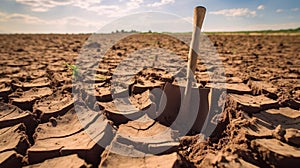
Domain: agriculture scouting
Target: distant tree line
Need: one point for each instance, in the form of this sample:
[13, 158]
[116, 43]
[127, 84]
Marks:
[126, 31]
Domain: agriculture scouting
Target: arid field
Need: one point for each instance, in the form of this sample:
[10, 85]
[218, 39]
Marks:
[258, 126]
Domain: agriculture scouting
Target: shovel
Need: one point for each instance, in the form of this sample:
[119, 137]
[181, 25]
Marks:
[186, 108]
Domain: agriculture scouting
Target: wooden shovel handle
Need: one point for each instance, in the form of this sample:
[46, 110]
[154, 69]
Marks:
[199, 14]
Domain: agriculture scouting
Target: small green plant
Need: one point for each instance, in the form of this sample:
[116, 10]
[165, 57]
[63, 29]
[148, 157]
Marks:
[75, 70]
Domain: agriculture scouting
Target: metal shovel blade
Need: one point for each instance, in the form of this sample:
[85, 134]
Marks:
[170, 113]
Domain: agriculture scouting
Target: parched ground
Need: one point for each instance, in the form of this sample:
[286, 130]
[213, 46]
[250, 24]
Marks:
[258, 127]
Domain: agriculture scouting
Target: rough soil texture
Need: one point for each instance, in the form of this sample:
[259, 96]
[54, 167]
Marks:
[258, 127]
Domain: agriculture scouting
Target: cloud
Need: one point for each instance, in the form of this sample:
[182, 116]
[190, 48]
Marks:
[295, 9]
[42, 5]
[104, 9]
[113, 10]
[133, 4]
[279, 10]
[4, 17]
[46, 5]
[234, 12]
[16, 22]
[116, 10]
[162, 2]
[74, 21]
[260, 7]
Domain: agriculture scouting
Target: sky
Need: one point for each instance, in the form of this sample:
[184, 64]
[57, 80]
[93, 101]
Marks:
[87, 16]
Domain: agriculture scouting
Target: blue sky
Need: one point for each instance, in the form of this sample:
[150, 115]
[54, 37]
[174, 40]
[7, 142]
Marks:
[76, 16]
